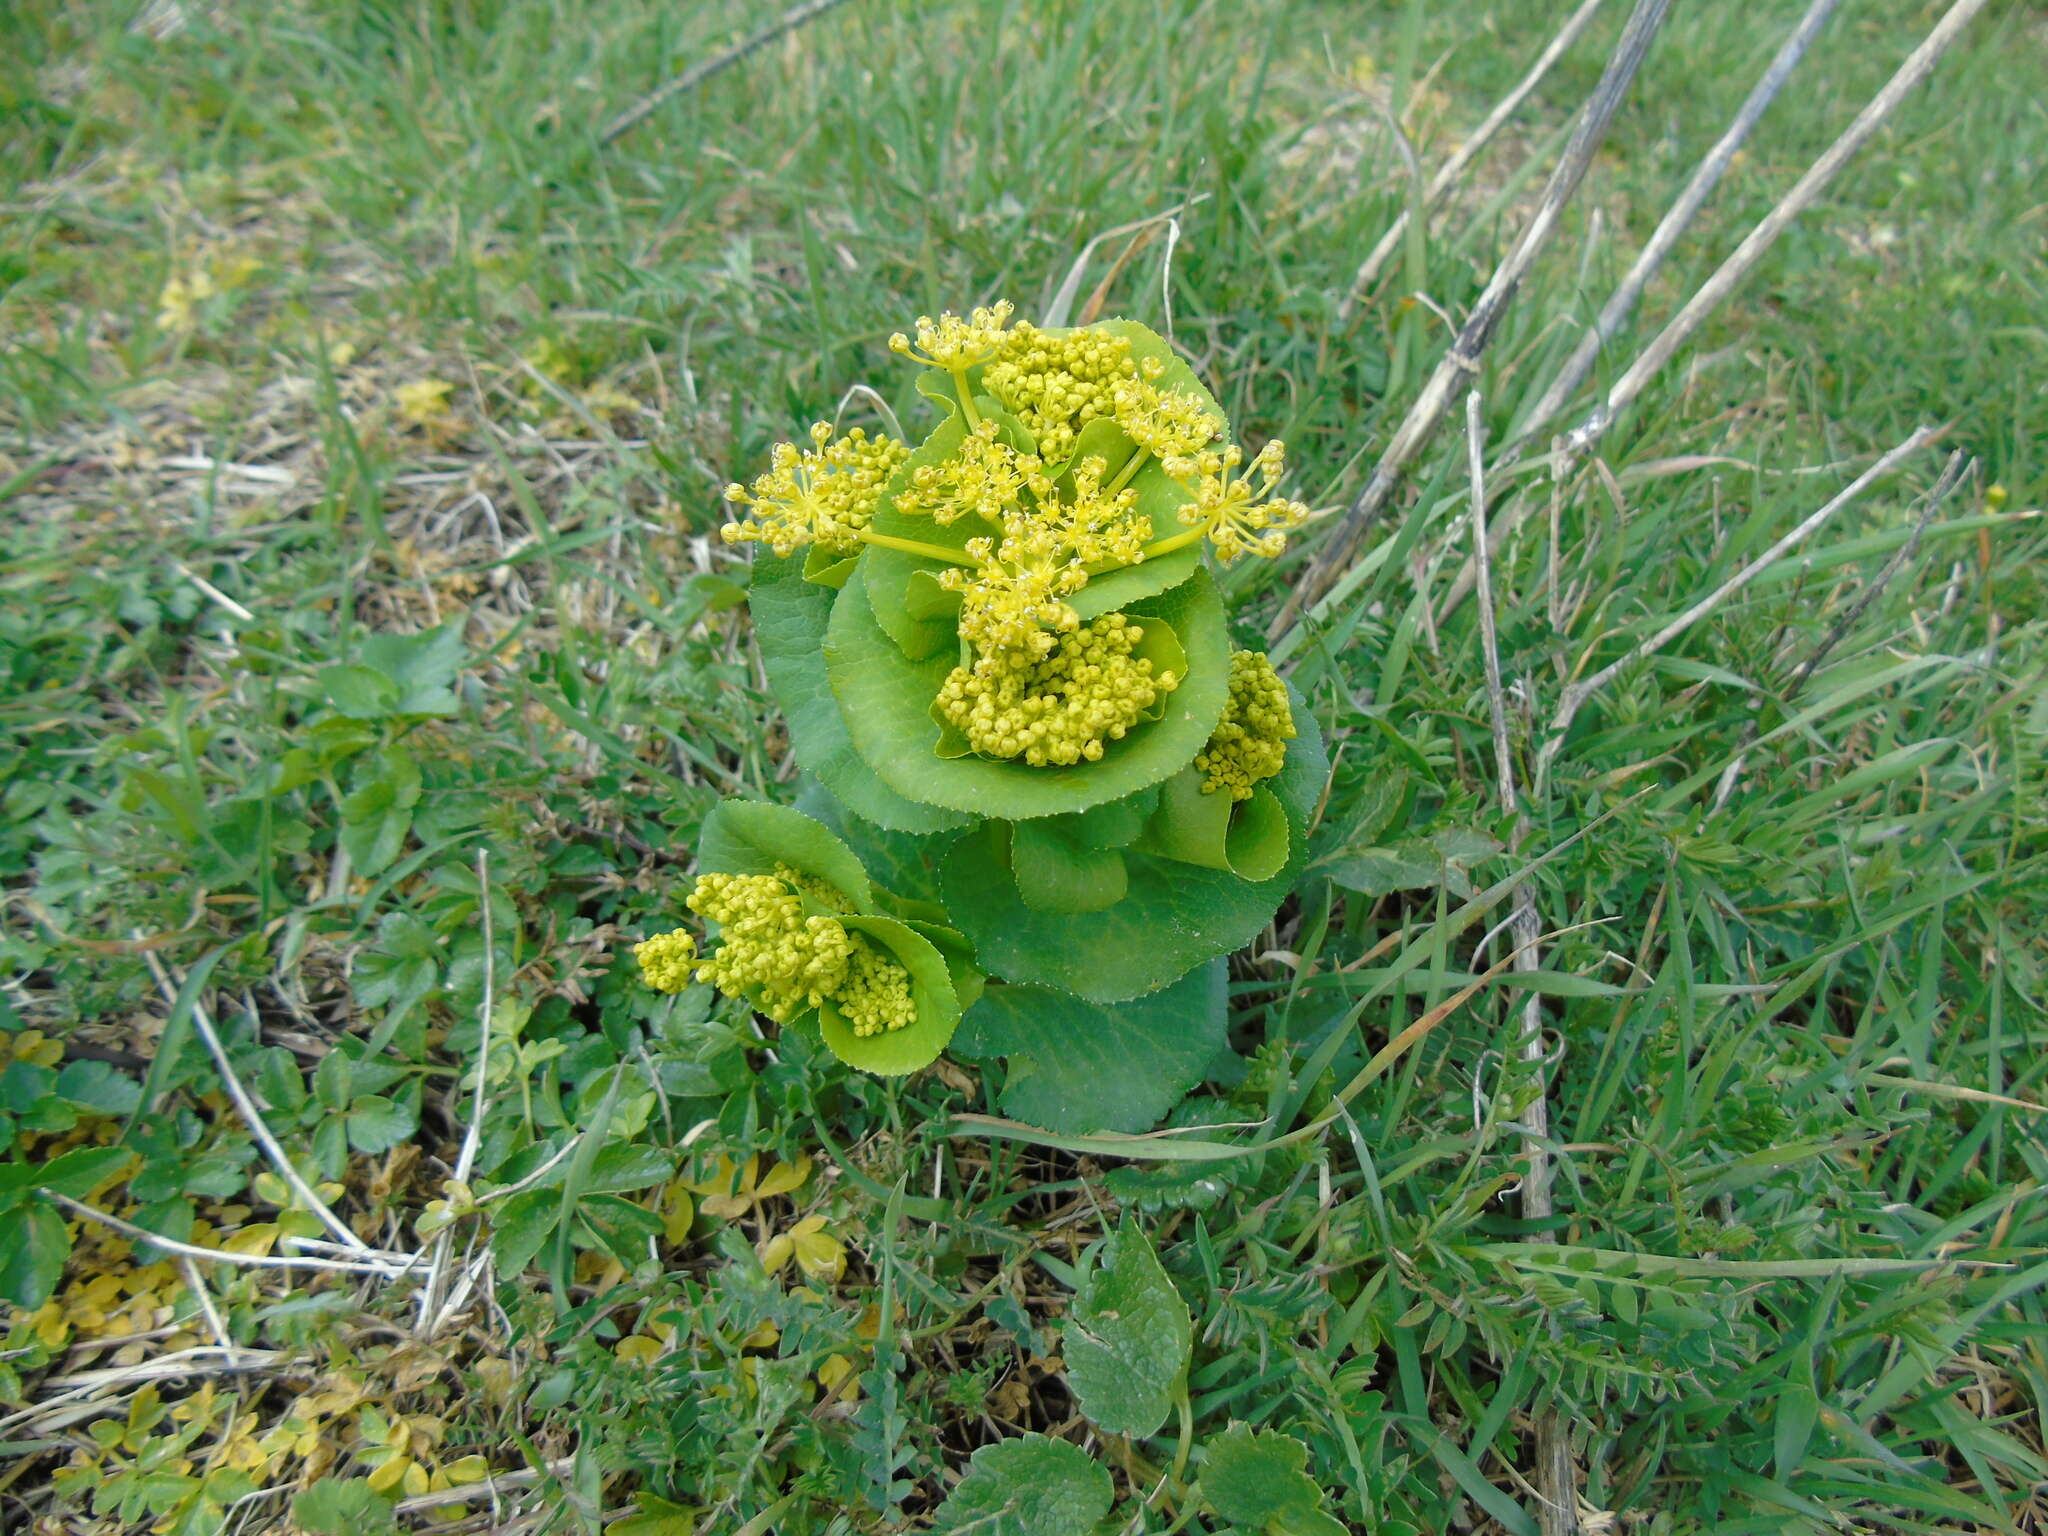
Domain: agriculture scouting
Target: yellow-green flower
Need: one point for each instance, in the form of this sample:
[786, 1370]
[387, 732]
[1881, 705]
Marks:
[1250, 743]
[1228, 507]
[768, 950]
[1168, 422]
[952, 343]
[825, 495]
[983, 476]
[875, 997]
[1086, 691]
[666, 959]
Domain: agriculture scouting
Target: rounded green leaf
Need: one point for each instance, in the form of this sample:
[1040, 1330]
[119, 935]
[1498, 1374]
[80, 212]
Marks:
[907, 618]
[1174, 916]
[751, 837]
[790, 616]
[905, 864]
[1056, 873]
[897, 1051]
[1247, 837]
[1029, 1486]
[1080, 1067]
[885, 700]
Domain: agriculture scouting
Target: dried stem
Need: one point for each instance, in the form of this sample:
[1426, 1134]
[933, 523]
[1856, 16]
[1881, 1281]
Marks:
[1577, 694]
[698, 73]
[433, 1295]
[1462, 360]
[1917, 67]
[1678, 219]
[1556, 1473]
[245, 1106]
[1453, 169]
[219, 1255]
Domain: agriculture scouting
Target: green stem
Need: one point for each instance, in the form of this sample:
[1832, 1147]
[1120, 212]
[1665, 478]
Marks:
[966, 393]
[1182, 540]
[1129, 472]
[913, 547]
[1187, 1434]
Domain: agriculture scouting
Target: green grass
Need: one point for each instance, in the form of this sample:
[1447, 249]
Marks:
[1794, 1034]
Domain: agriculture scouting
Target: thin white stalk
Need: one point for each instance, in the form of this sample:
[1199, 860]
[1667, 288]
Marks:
[1462, 361]
[697, 74]
[432, 1297]
[221, 1256]
[1705, 178]
[1556, 1473]
[245, 1106]
[1575, 696]
[1452, 170]
[196, 1283]
[1918, 66]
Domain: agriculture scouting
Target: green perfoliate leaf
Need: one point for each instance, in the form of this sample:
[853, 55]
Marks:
[1030, 1486]
[894, 1052]
[790, 616]
[751, 837]
[1256, 1481]
[1078, 1067]
[885, 700]
[1249, 838]
[890, 572]
[1148, 345]
[1173, 916]
[1128, 1338]
[906, 864]
[1055, 873]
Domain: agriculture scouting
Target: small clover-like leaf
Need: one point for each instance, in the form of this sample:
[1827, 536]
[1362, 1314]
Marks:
[1128, 1338]
[1030, 1486]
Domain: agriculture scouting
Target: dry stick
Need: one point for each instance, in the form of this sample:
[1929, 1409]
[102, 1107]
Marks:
[1951, 476]
[1556, 1473]
[697, 74]
[1576, 694]
[251, 1117]
[1463, 358]
[1918, 66]
[1449, 173]
[434, 1294]
[1705, 178]
[221, 1255]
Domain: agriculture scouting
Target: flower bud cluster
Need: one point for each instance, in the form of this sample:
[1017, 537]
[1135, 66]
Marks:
[1237, 521]
[1056, 385]
[1250, 742]
[955, 344]
[768, 950]
[1061, 708]
[824, 496]
[777, 958]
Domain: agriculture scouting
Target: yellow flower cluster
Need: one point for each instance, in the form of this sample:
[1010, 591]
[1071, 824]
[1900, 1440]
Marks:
[1250, 743]
[955, 344]
[1013, 600]
[983, 475]
[1056, 385]
[825, 496]
[1166, 422]
[1062, 707]
[1229, 507]
[777, 958]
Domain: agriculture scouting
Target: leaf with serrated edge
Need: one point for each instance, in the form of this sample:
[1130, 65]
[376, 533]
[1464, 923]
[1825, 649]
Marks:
[1030, 1486]
[1256, 1481]
[885, 700]
[1076, 1066]
[1128, 1338]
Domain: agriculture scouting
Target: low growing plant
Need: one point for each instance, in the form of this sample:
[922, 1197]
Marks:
[1046, 788]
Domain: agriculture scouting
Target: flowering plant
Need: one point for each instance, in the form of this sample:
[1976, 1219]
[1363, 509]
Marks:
[1034, 755]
